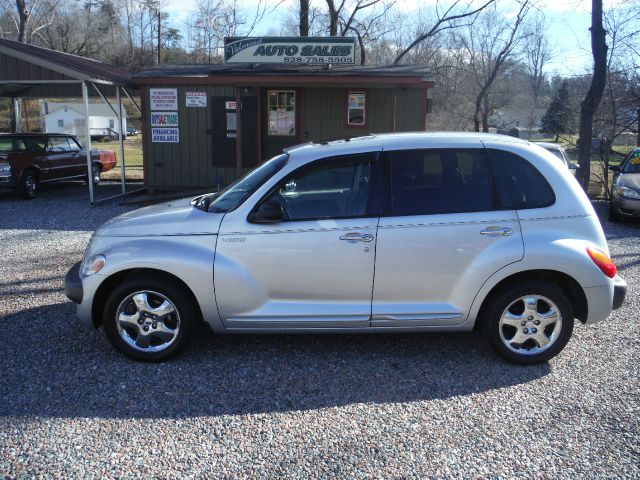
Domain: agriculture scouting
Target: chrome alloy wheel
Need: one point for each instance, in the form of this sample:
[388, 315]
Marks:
[530, 325]
[148, 321]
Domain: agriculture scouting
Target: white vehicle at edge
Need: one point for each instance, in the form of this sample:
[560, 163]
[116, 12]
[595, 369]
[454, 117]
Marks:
[396, 232]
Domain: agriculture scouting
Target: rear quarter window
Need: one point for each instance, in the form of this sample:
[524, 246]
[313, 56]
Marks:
[525, 185]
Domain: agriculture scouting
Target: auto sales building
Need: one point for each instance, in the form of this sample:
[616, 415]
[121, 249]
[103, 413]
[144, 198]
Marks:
[207, 124]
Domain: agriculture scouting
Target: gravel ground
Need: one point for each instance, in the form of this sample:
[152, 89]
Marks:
[414, 406]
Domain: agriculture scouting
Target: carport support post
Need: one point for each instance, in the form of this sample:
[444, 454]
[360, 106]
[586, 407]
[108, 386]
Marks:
[87, 145]
[121, 136]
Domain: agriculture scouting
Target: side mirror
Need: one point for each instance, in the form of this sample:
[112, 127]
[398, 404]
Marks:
[573, 166]
[614, 168]
[267, 212]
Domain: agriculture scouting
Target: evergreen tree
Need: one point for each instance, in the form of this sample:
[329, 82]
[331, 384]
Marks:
[557, 119]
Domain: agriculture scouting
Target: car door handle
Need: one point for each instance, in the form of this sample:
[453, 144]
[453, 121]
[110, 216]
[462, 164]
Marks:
[497, 231]
[357, 237]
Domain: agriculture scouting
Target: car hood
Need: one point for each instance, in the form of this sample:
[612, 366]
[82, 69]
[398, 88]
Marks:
[631, 180]
[177, 217]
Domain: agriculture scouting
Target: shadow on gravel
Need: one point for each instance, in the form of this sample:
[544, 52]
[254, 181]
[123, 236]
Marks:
[54, 367]
[60, 206]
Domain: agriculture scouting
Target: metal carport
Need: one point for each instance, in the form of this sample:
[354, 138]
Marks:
[27, 71]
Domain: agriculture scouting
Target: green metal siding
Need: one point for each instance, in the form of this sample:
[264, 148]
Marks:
[12, 68]
[325, 110]
[410, 110]
[192, 162]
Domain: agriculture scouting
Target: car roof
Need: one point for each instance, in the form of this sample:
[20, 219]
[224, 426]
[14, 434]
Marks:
[379, 141]
[36, 134]
[554, 146]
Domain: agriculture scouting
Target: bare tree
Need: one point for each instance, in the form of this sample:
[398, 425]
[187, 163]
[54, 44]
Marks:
[29, 16]
[591, 101]
[446, 20]
[488, 47]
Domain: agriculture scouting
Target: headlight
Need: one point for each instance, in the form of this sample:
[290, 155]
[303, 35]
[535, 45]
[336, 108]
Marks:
[625, 192]
[93, 265]
[5, 169]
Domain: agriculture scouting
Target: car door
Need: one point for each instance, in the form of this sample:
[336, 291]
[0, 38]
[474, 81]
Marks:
[62, 160]
[445, 230]
[79, 158]
[312, 270]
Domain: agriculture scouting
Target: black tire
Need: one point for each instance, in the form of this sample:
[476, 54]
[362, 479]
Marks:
[499, 304]
[28, 186]
[186, 315]
[614, 216]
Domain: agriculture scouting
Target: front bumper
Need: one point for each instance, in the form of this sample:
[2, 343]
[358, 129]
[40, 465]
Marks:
[627, 206]
[7, 182]
[619, 292]
[73, 284]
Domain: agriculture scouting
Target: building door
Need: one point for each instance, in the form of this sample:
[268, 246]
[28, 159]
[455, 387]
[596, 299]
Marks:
[224, 134]
[281, 120]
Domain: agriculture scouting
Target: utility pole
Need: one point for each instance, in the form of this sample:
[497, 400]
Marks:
[159, 37]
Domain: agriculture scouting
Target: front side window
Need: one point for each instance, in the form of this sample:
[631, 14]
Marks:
[425, 182]
[340, 187]
[232, 196]
[525, 185]
[356, 109]
[59, 144]
[35, 144]
[6, 144]
[282, 112]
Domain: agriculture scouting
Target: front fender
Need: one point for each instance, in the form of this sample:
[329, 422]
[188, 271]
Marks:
[188, 257]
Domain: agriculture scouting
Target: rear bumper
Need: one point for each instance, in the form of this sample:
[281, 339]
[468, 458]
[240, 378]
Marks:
[601, 301]
[619, 292]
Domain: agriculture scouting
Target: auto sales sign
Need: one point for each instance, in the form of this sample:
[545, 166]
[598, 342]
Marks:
[291, 50]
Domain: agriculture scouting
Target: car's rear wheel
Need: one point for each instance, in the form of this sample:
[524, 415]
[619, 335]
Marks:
[529, 323]
[28, 187]
[148, 319]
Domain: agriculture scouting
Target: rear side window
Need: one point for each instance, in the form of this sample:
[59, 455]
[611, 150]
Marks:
[526, 186]
[425, 182]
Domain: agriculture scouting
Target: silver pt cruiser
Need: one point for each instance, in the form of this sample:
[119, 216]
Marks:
[384, 233]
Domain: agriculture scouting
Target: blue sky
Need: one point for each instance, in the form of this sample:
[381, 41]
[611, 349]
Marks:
[568, 21]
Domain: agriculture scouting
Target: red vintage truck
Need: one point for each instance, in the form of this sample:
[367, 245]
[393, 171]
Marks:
[28, 160]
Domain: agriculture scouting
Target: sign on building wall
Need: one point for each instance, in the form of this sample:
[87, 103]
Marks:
[164, 119]
[165, 135]
[196, 99]
[163, 98]
[291, 50]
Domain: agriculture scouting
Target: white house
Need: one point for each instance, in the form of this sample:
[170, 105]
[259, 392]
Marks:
[70, 118]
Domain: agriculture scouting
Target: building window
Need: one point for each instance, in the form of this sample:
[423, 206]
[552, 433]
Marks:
[61, 123]
[79, 122]
[356, 106]
[112, 123]
[282, 112]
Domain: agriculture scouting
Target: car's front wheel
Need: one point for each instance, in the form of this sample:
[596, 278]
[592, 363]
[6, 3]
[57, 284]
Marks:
[28, 187]
[529, 323]
[148, 319]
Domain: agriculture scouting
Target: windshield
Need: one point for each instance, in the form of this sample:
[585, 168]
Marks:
[236, 193]
[632, 163]
[557, 153]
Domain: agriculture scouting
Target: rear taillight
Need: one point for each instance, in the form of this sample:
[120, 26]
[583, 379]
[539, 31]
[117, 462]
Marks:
[603, 262]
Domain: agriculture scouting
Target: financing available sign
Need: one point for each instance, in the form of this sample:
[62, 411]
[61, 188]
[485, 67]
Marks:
[291, 50]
